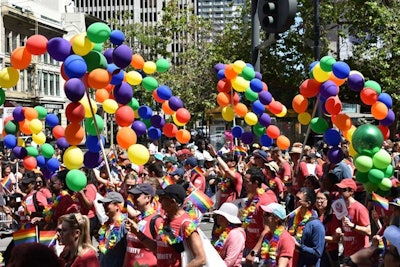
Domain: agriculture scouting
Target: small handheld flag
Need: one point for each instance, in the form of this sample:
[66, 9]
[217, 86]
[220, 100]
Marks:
[48, 238]
[25, 236]
[167, 180]
[198, 170]
[200, 200]
[379, 201]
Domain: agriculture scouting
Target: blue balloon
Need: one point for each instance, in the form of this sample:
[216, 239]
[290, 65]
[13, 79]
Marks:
[93, 144]
[41, 161]
[312, 65]
[145, 112]
[256, 85]
[258, 107]
[117, 77]
[221, 74]
[52, 120]
[386, 99]
[341, 69]
[53, 164]
[218, 67]
[332, 137]
[237, 131]
[117, 37]
[10, 141]
[139, 127]
[265, 140]
[75, 66]
[154, 133]
[164, 92]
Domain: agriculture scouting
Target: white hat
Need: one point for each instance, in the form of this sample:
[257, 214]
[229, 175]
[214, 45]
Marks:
[230, 212]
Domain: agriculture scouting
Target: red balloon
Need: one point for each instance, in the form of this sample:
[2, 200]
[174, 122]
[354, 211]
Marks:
[333, 105]
[310, 88]
[183, 115]
[170, 130]
[75, 112]
[124, 116]
[30, 163]
[63, 74]
[368, 96]
[224, 85]
[273, 131]
[37, 44]
[58, 131]
[275, 107]
[265, 86]
[385, 131]
[156, 98]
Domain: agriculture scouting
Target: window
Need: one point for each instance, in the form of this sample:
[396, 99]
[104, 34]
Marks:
[7, 48]
[51, 84]
[58, 85]
[45, 83]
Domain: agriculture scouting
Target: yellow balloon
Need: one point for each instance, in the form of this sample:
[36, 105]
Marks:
[136, 112]
[39, 138]
[81, 45]
[20, 141]
[149, 67]
[36, 126]
[138, 154]
[238, 66]
[350, 132]
[352, 151]
[304, 118]
[319, 74]
[85, 104]
[110, 106]
[227, 113]
[240, 84]
[9, 77]
[283, 112]
[133, 77]
[178, 123]
[251, 118]
[73, 158]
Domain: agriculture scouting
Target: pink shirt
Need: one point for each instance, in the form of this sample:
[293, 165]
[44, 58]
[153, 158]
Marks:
[89, 259]
[230, 194]
[232, 251]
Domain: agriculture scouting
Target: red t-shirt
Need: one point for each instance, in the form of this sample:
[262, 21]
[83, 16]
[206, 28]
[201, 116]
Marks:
[354, 241]
[330, 229]
[90, 193]
[89, 259]
[256, 226]
[230, 194]
[285, 170]
[286, 247]
[136, 251]
[65, 206]
[166, 255]
[198, 180]
[28, 207]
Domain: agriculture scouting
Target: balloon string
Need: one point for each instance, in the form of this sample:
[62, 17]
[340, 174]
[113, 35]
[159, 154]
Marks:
[307, 134]
[98, 137]
[234, 116]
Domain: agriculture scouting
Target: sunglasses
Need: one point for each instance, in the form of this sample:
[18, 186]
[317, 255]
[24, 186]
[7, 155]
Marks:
[345, 189]
[267, 214]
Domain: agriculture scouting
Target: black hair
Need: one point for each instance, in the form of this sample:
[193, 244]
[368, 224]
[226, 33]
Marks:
[256, 175]
[229, 157]
[328, 210]
[314, 181]
[62, 176]
[310, 195]
[157, 168]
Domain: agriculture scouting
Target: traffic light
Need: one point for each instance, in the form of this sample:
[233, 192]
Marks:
[276, 16]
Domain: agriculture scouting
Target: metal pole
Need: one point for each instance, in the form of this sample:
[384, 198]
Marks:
[255, 36]
[316, 30]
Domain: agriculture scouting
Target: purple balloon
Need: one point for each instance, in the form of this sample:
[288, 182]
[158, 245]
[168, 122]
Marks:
[59, 48]
[389, 119]
[47, 173]
[164, 92]
[258, 75]
[355, 82]
[247, 138]
[20, 152]
[62, 143]
[74, 89]
[386, 99]
[265, 140]
[154, 133]
[75, 66]
[341, 69]
[237, 131]
[157, 121]
[335, 154]
[108, 55]
[123, 93]
[18, 114]
[175, 103]
[117, 37]
[92, 159]
[256, 85]
[218, 67]
[264, 120]
[258, 107]
[328, 89]
[265, 97]
[139, 127]
[122, 56]
[53, 164]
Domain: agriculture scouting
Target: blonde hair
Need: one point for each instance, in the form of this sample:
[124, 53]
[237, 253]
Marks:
[80, 222]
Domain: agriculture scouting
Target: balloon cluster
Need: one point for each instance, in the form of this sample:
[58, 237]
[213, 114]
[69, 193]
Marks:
[326, 76]
[240, 78]
[86, 66]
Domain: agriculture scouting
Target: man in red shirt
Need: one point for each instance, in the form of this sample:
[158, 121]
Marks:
[196, 173]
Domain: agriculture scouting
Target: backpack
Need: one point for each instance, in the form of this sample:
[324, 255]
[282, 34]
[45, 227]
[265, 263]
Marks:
[153, 224]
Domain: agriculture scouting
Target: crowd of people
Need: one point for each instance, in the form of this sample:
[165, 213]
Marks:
[270, 208]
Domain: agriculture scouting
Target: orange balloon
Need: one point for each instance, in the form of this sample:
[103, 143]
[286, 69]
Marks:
[300, 103]
[74, 134]
[30, 113]
[20, 58]
[336, 80]
[170, 130]
[333, 105]
[101, 95]
[224, 85]
[137, 61]
[126, 137]
[58, 131]
[183, 136]
[368, 96]
[230, 73]
[310, 88]
[379, 110]
[275, 107]
[283, 142]
[223, 99]
[342, 121]
[98, 78]
[165, 107]
[240, 109]
[109, 88]
[273, 131]
[24, 127]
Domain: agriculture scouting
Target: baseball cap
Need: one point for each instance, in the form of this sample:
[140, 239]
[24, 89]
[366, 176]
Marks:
[230, 212]
[112, 197]
[159, 156]
[28, 178]
[170, 159]
[392, 234]
[184, 151]
[191, 161]
[144, 188]
[178, 171]
[175, 191]
[277, 209]
[347, 183]
[261, 154]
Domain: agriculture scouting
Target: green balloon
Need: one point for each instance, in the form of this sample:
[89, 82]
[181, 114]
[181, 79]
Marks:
[385, 184]
[248, 73]
[32, 151]
[76, 180]
[362, 177]
[95, 60]
[146, 122]
[250, 95]
[367, 139]
[381, 159]
[373, 85]
[98, 47]
[149, 83]
[375, 176]
[2, 96]
[370, 187]
[258, 129]
[162, 65]
[383, 193]
[11, 127]
[42, 112]
[90, 126]
[319, 125]
[389, 171]
[134, 104]
[98, 32]
[363, 163]
[47, 150]
[326, 63]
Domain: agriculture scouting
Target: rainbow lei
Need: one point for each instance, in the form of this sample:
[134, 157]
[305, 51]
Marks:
[269, 248]
[48, 211]
[178, 238]
[219, 237]
[225, 184]
[144, 214]
[271, 184]
[109, 238]
[296, 224]
[250, 209]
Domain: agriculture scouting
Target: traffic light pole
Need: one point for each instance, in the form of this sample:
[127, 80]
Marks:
[255, 36]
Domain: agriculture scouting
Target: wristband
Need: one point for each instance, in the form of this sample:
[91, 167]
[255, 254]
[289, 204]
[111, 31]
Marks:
[354, 227]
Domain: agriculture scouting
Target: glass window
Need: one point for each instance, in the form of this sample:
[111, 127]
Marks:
[51, 84]
[7, 48]
[45, 83]
[58, 93]
[14, 39]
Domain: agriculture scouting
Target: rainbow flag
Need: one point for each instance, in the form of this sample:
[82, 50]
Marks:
[167, 180]
[6, 182]
[25, 236]
[379, 201]
[240, 151]
[200, 200]
[129, 200]
[112, 158]
[48, 238]
[198, 170]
